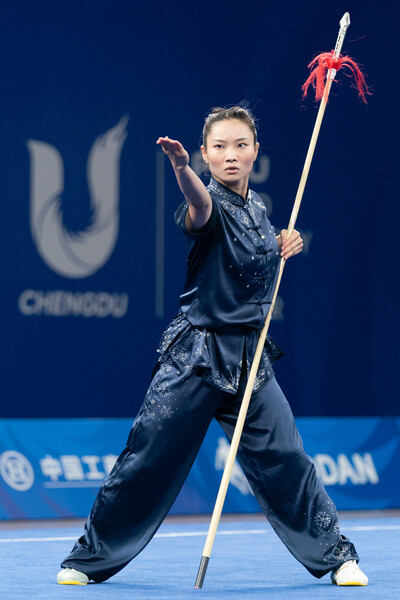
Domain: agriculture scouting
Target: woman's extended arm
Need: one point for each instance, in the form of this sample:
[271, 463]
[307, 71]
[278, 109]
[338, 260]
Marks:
[195, 192]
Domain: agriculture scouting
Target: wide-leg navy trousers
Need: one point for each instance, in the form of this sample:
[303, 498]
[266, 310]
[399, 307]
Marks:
[162, 446]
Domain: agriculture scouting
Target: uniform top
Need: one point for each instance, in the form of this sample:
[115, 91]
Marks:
[232, 267]
[232, 262]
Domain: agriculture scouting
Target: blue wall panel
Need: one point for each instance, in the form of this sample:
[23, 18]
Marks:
[92, 265]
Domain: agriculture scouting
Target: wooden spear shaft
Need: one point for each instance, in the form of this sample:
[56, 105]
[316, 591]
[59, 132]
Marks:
[344, 23]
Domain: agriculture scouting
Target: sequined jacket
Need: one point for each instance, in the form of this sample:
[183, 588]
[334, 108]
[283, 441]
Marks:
[232, 267]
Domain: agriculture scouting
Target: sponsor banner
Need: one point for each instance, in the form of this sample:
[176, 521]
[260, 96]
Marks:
[54, 467]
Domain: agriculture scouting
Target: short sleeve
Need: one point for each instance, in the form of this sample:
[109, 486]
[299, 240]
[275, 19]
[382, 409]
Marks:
[180, 218]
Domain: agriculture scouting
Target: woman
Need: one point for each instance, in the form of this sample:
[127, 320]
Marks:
[205, 356]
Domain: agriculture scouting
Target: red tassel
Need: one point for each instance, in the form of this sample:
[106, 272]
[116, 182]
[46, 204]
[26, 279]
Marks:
[321, 65]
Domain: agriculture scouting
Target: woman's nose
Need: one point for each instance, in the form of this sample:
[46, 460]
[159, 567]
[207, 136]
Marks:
[230, 155]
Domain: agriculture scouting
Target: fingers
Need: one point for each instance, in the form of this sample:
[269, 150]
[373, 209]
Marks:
[175, 151]
[165, 140]
[291, 245]
[169, 145]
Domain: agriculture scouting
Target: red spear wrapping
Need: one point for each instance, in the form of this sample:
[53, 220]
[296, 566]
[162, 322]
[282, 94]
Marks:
[328, 65]
[327, 61]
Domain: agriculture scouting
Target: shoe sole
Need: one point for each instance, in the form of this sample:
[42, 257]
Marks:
[353, 583]
[71, 583]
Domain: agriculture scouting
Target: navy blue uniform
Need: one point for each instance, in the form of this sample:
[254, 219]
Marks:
[205, 356]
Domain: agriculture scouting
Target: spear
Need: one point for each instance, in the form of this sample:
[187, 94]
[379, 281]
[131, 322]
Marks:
[326, 66]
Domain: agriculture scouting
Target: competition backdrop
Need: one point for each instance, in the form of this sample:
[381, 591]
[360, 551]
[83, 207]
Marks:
[92, 265]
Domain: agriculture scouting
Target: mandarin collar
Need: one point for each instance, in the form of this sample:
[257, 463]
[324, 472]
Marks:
[227, 193]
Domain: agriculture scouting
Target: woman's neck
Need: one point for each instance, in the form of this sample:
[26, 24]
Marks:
[241, 187]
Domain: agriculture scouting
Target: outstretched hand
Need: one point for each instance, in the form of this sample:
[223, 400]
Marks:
[290, 245]
[175, 152]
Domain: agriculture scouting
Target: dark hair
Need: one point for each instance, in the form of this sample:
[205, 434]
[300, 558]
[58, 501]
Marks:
[240, 112]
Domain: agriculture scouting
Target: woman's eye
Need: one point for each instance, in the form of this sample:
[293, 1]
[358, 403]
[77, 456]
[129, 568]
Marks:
[242, 145]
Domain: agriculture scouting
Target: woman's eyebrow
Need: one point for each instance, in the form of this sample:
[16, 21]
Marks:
[238, 140]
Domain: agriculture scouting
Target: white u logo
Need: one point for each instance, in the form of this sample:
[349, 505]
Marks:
[80, 254]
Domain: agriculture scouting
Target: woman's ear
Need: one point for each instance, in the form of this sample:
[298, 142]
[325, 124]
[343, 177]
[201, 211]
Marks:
[204, 154]
[256, 151]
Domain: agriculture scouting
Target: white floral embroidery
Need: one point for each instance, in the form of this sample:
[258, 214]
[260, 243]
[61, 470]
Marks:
[180, 354]
[228, 385]
[322, 520]
[344, 553]
[166, 412]
[162, 390]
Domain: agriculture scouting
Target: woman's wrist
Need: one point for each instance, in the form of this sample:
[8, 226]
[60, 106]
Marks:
[181, 167]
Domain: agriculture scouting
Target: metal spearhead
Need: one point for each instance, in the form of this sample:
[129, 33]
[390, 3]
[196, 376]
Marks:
[344, 23]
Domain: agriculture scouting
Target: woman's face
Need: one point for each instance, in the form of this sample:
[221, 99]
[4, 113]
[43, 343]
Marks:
[230, 153]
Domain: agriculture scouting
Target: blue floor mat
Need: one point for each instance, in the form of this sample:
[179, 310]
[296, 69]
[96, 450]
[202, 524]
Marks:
[248, 562]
